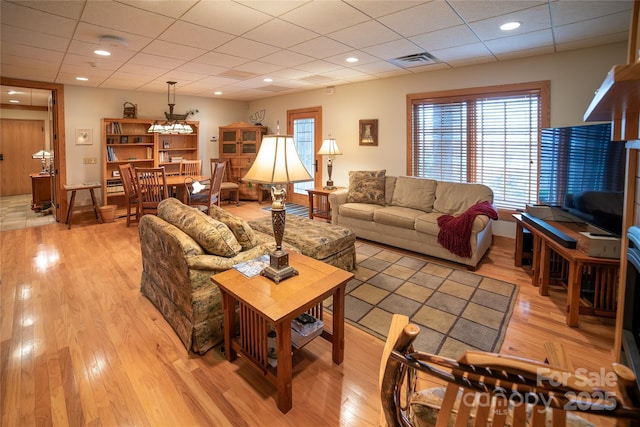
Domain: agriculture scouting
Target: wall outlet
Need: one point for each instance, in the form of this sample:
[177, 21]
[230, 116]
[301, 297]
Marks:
[90, 160]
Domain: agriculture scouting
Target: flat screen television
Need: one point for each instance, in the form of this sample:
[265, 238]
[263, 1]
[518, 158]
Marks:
[582, 173]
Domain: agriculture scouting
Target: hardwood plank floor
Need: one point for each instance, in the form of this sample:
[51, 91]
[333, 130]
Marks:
[79, 344]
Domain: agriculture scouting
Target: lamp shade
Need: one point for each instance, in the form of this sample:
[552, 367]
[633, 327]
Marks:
[277, 162]
[330, 147]
[42, 154]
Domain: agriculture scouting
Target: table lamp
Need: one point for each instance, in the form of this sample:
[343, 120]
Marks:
[42, 155]
[330, 148]
[277, 163]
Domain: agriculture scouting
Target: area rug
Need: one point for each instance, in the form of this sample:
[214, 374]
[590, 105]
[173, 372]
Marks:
[294, 209]
[455, 309]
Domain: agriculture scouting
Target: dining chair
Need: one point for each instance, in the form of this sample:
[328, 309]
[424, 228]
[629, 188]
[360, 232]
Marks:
[210, 195]
[191, 167]
[229, 186]
[130, 187]
[482, 389]
[152, 189]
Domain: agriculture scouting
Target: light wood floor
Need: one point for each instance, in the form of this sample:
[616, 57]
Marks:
[79, 345]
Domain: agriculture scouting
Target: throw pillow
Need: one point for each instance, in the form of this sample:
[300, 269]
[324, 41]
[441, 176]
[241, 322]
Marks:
[214, 236]
[241, 230]
[366, 187]
[414, 193]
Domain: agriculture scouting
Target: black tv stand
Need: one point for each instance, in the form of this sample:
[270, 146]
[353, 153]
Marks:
[555, 234]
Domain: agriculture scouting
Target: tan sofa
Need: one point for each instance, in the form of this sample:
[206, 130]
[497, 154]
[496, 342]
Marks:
[405, 214]
[183, 247]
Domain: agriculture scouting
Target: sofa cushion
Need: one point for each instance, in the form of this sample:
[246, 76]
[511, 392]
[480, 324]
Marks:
[361, 211]
[455, 198]
[241, 230]
[214, 236]
[389, 187]
[366, 187]
[414, 193]
[397, 216]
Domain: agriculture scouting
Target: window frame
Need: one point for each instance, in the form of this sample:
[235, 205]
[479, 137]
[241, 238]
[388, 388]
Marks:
[542, 88]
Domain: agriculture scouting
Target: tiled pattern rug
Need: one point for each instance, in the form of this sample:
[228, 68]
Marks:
[455, 309]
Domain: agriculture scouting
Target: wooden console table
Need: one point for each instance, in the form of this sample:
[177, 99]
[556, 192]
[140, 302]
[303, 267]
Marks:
[262, 303]
[40, 190]
[573, 267]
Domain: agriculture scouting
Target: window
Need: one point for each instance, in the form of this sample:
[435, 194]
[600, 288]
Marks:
[484, 135]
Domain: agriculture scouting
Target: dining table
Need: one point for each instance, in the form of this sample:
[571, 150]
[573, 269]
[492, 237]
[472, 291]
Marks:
[176, 185]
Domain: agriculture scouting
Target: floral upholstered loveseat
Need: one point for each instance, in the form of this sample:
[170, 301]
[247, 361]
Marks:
[183, 247]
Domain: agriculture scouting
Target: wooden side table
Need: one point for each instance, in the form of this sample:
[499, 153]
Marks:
[94, 205]
[40, 190]
[262, 303]
[319, 203]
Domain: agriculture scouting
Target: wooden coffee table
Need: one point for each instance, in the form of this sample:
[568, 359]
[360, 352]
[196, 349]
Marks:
[261, 303]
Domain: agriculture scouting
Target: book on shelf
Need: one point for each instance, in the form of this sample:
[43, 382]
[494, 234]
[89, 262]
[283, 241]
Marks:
[111, 155]
[176, 159]
[114, 127]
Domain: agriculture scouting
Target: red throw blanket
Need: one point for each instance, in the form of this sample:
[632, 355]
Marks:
[455, 231]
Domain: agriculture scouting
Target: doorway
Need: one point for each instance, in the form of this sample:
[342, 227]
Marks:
[19, 140]
[306, 127]
[57, 135]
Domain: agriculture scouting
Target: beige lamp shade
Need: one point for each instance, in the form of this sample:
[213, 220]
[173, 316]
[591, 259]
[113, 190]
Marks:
[277, 162]
[330, 148]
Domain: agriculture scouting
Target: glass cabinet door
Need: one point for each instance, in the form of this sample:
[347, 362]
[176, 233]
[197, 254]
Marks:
[229, 145]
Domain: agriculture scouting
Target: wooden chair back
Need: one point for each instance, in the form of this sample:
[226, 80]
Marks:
[130, 186]
[191, 167]
[490, 389]
[152, 189]
[229, 189]
[212, 195]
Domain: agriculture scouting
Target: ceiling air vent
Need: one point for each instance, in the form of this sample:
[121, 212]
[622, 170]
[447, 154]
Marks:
[414, 60]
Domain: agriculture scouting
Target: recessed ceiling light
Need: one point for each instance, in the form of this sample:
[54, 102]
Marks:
[268, 79]
[352, 59]
[508, 26]
[217, 92]
[12, 92]
[82, 79]
[102, 52]
[14, 101]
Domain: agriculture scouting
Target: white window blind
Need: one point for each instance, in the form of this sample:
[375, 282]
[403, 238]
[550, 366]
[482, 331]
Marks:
[485, 138]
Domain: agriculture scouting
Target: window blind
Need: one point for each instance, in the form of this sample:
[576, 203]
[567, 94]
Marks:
[484, 138]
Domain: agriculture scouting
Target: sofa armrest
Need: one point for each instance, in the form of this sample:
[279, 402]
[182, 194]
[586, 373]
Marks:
[337, 198]
[216, 263]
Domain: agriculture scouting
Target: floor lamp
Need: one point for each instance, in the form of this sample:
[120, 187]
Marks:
[278, 164]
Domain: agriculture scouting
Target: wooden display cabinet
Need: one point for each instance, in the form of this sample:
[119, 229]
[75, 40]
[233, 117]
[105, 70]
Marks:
[239, 143]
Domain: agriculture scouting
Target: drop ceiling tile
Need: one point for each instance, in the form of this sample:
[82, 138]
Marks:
[318, 67]
[279, 33]
[92, 33]
[590, 42]
[521, 42]
[427, 17]
[468, 51]
[259, 67]
[36, 53]
[365, 34]
[592, 28]
[174, 9]
[320, 47]
[78, 47]
[472, 11]
[246, 48]
[564, 12]
[120, 84]
[543, 50]
[70, 79]
[193, 35]
[341, 60]
[225, 16]
[201, 69]
[161, 62]
[144, 70]
[533, 19]
[445, 38]
[173, 50]
[34, 20]
[378, 67]
[273, 8]
[90, 62]
[286, 58]
[85, 71]
[325, 16]
[25, 37]
[119, 16]
[137, 79]
[377, 9]
[22, 71]
[220, 60]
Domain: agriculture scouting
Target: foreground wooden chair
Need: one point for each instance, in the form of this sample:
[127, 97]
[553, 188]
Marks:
[152, 189]
[130, 187]
[484, 389]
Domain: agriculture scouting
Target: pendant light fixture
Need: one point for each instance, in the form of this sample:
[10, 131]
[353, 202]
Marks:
[174, 123]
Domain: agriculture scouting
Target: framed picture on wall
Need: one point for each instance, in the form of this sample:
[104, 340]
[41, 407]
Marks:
[368, 132]
[84, 136]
